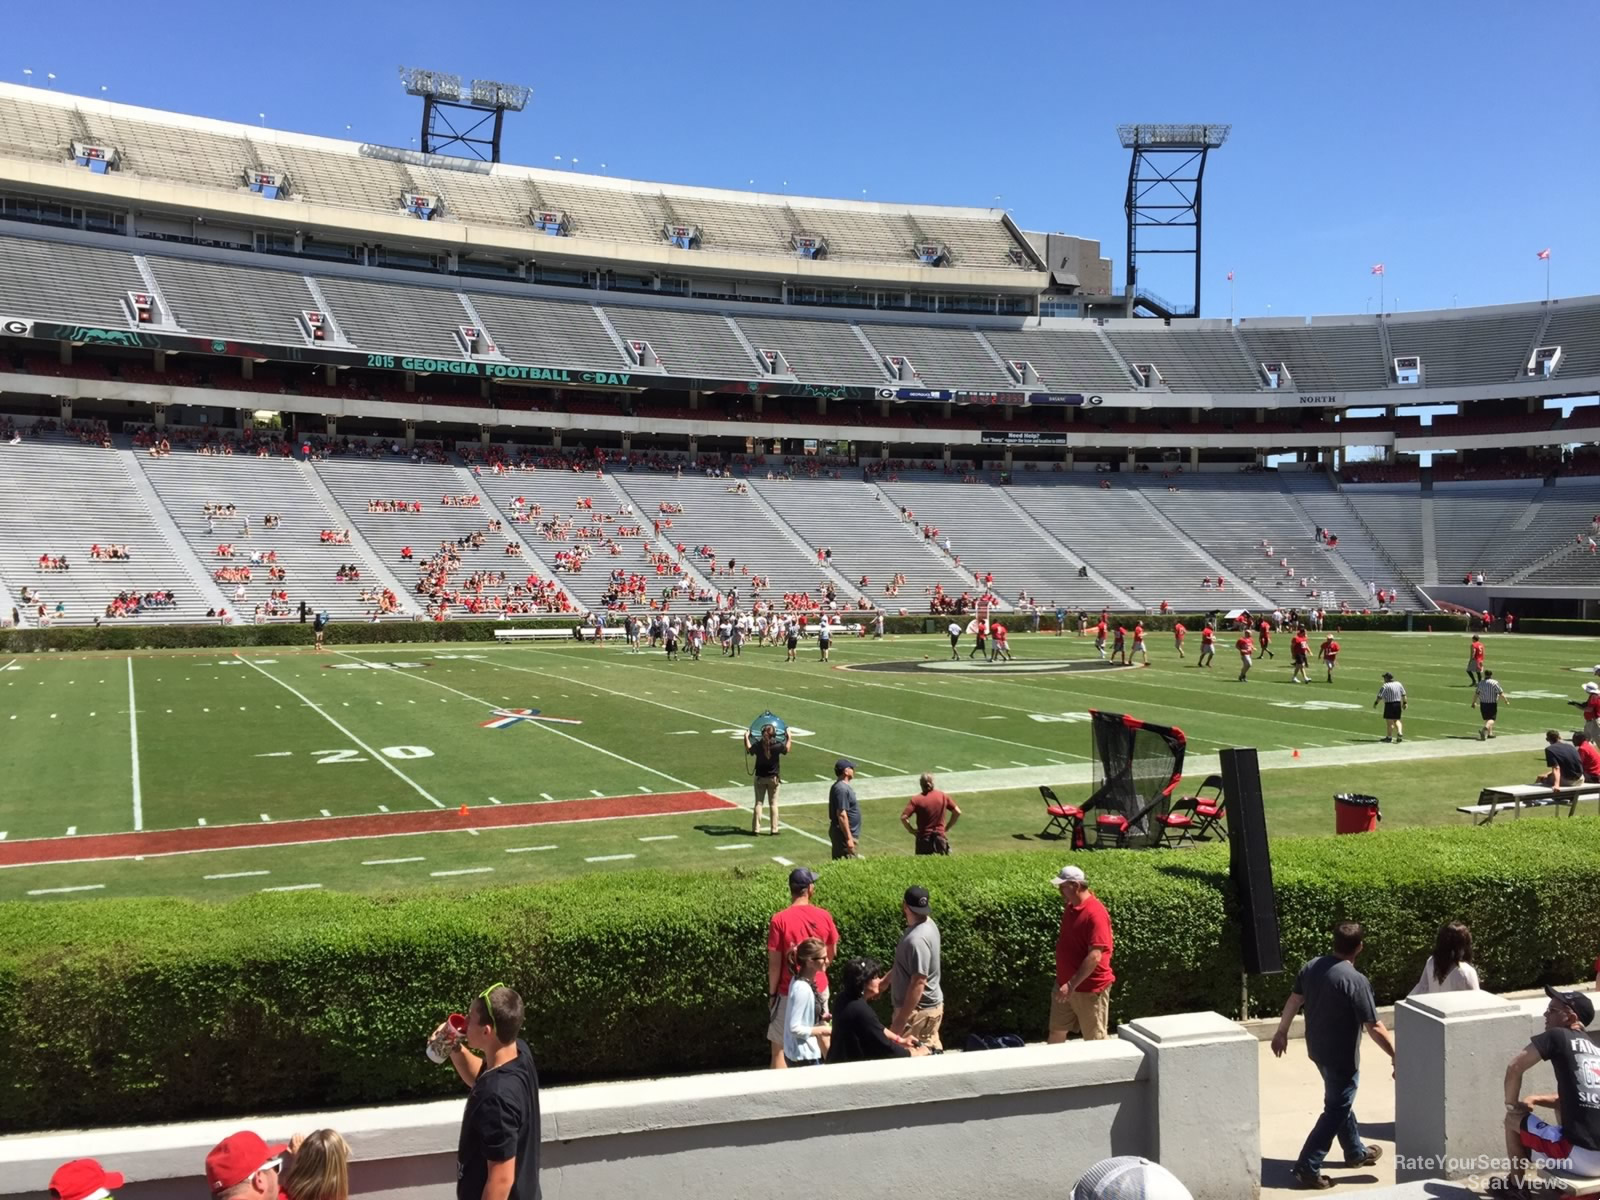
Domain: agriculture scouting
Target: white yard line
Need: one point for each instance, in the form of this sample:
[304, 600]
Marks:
[661, 837]
[82, 887]
[735, 846]
[529, 849]
[610, 857]
[389, 862]
[133, 741]
[460, 871]
[803, 833]
[683, 783]
[781, 861]
[380, 759]
[721, 721]
[237, 875]
[294, 887]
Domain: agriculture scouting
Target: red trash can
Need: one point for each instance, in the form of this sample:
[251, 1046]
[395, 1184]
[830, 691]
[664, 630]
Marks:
[1354, 813]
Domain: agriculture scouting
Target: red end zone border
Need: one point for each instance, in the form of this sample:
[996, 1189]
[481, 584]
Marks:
[155, 842]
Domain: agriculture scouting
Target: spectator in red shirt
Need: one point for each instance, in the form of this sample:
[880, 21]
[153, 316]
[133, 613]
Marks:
[1588, 757]
[932, 829]
[788, 928]
[1081, 1001]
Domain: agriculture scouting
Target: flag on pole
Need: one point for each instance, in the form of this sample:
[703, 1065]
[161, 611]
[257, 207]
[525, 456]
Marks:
[1377, 268]
[1545, 253]
[1230, 273]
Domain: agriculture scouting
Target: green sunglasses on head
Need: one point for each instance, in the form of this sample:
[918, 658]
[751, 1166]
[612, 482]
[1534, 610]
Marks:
[488, 1009]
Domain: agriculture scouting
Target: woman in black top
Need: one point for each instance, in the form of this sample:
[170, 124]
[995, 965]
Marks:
[857, 1032]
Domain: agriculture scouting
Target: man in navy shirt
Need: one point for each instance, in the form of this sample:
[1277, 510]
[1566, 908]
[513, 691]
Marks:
[497, 1157]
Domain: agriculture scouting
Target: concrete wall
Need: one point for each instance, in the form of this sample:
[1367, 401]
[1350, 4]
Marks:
[1008, 1122]
[1450, 1066]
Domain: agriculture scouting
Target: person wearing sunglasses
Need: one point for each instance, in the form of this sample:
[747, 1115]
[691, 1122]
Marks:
[497, 1157]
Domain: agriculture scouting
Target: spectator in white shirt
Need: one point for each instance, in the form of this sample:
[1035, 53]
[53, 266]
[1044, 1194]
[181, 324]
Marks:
[1449, 968]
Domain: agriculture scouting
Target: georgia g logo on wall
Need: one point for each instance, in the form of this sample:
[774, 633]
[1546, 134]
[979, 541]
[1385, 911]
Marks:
[16, 328]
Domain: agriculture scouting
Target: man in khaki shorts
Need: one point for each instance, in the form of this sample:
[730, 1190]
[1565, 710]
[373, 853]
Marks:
[1081, 1001]
[914, 978]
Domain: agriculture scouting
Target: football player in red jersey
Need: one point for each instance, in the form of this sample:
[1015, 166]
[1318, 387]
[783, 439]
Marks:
[1330, 654]
[1265, 629]
[1300, 655]
[1178, 632]
[1247, 649]
[1208, 646]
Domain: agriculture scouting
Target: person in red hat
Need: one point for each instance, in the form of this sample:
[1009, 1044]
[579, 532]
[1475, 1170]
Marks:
[83, 1179]
[242, 1166]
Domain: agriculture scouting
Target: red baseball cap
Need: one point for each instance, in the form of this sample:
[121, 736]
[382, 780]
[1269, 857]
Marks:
[83, 1179]
[237, 1157]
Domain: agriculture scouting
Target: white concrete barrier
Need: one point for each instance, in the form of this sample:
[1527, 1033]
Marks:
[1451, 1051]
[1021, 1122]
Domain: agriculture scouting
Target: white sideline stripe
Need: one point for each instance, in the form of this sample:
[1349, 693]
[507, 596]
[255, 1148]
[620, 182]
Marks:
[539, 725]
[735, 846]
[807, 744]
[461, 871]
[660, 837]
[238, 875]
[370, 752]
[803, 833]
[492, 800]
[133, 742]
[547, 796]
[528, 849]
[202, 821]
[782, 861]
[294, 887]
[71, 830]
[383, 808]
[264, 817]
[610, 857]
[82, 887]
[325, 812]
[596, 792]
[389, 862]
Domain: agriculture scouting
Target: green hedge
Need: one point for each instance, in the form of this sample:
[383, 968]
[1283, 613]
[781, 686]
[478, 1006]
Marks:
[120, 1011]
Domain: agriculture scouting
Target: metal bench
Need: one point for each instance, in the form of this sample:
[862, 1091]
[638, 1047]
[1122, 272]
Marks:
[534, 635]
[1515, 797]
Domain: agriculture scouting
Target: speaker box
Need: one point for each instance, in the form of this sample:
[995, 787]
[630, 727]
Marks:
[1250, 864]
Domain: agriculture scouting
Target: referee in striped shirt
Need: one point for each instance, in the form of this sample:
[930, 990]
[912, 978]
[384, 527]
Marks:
[1392, 695]
[1487, 695]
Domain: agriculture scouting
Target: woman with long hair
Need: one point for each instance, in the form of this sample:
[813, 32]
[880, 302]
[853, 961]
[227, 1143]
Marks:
[318, 1168]
[1449, 968]
[857, 1032]
[801, 1022]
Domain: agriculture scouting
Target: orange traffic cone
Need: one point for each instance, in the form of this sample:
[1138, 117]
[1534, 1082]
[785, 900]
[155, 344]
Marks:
[464, 807]
[1296, 754]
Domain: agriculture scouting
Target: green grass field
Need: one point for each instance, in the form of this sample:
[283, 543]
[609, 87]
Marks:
[267, 736]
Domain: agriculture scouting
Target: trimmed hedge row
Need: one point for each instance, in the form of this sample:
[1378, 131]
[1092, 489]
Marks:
[123, 1011]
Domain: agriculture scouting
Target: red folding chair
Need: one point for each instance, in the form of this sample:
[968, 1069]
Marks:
[1066, 820]
[1115, 831]
[1195, 818]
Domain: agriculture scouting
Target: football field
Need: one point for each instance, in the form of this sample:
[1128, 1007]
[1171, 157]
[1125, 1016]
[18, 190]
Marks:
[399, 768]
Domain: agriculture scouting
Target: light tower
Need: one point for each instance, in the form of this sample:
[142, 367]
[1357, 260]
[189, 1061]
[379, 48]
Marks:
[1164, 188]
[446, 101]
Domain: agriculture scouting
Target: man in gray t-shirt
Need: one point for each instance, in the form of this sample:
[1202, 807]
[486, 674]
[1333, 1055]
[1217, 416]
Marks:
[844, 811]
[1339, 1008]
[914, 978]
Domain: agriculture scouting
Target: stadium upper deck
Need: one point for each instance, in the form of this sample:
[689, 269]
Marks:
[220, 166]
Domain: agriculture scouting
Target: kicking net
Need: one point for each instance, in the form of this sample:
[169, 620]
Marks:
[1137, 767]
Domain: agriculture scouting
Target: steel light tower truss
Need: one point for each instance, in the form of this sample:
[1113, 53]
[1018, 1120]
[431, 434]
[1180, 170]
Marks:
[1165, 180]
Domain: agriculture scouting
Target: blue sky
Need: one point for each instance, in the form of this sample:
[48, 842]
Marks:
[1448, 142]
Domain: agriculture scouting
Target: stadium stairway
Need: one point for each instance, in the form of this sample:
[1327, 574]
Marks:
[661, 543]
[535, 565]
[354, 481]
[360, 547]
[868, 538]
[1120, 598]
[983, 533]
[9, 605]
[59, 498]
[1231, 515]
[1360, 545]
[1250, 592]
[170, 533]
[186, 482]
[732, 526]
[845, 586]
